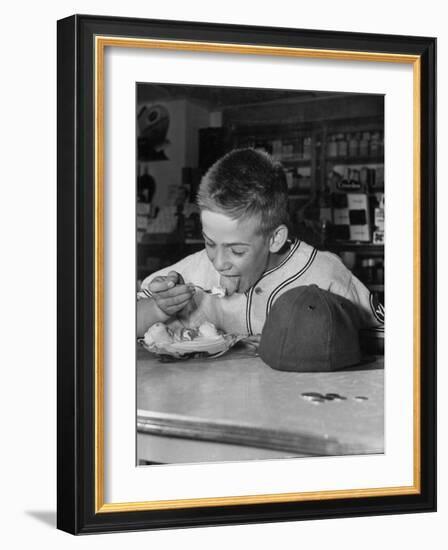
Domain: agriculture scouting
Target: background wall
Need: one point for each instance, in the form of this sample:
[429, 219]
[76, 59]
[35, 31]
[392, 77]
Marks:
[185, 120]
[28, 274]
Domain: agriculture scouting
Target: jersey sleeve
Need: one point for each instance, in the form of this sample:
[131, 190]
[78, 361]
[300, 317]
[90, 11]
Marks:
[371, 308]
[344, 283]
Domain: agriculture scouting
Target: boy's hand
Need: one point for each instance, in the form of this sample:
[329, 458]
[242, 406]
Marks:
[170, 292]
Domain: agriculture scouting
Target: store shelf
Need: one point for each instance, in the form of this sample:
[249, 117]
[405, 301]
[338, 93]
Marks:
[368, 248]
[379, 159]
[299, 195]
[315, 140]
[295, 162]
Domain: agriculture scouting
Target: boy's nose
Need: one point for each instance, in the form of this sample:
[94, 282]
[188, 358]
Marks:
[220, 261]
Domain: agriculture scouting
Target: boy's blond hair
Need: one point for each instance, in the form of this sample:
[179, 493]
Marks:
[246, 183]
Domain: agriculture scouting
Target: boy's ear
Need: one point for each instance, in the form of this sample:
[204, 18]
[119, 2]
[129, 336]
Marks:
[278, 238]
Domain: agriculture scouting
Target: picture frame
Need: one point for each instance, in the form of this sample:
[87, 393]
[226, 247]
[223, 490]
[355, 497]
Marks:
[82, 72]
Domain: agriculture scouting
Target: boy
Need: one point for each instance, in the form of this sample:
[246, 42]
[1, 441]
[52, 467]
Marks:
[243, 200]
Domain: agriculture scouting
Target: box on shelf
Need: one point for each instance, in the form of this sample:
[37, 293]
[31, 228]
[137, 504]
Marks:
[351, 217]
[378, 220]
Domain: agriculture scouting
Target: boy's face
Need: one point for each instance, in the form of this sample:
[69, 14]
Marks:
[236, 249]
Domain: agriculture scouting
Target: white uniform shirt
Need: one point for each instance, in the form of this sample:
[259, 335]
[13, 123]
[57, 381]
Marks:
[246, 313]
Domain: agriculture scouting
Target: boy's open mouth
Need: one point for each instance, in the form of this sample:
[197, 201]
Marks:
[230, 283]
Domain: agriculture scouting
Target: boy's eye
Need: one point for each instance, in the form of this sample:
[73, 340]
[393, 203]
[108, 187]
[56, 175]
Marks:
[235, 251]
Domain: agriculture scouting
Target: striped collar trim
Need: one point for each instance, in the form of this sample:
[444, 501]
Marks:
[294, 247]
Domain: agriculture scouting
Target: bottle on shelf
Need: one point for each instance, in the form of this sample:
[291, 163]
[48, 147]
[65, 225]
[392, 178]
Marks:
[353, 145]
[332, 147]
[342, 146]
[364, 144]
[375, 144]
[307, 144]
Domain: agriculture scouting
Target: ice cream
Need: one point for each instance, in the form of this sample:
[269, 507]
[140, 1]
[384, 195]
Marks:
[207, 330]
[158, 334]
[188, 334]
[218, 291]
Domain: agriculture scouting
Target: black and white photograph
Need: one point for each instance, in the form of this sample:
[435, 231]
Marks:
[223, 277]
[238, 208]
[260, 233]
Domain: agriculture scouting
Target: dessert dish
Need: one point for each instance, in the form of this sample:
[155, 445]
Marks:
[204, 340]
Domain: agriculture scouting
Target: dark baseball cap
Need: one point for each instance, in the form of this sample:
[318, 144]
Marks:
[311, 330]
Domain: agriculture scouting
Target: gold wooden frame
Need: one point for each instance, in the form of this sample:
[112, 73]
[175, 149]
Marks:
[101, 42]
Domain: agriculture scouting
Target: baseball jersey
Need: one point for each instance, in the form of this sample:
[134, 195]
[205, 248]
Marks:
[245, 313]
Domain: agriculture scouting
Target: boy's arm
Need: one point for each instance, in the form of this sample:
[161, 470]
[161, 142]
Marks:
[168, 295]
[148, 313]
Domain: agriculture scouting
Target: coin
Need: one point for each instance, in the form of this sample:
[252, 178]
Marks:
[311, 395]
[334, 397]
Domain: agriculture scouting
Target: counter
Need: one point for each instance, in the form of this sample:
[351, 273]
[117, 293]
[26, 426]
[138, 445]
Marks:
[235, 407]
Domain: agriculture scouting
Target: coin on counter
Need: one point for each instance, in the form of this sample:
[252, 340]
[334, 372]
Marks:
[312, 395]
[334, 397]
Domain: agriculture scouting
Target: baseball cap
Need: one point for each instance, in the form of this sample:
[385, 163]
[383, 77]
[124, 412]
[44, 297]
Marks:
[311, 330]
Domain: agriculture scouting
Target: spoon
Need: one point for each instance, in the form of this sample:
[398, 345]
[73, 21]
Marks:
[215, 291]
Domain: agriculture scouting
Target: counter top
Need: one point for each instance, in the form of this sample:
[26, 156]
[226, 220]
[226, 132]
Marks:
[237, 399]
